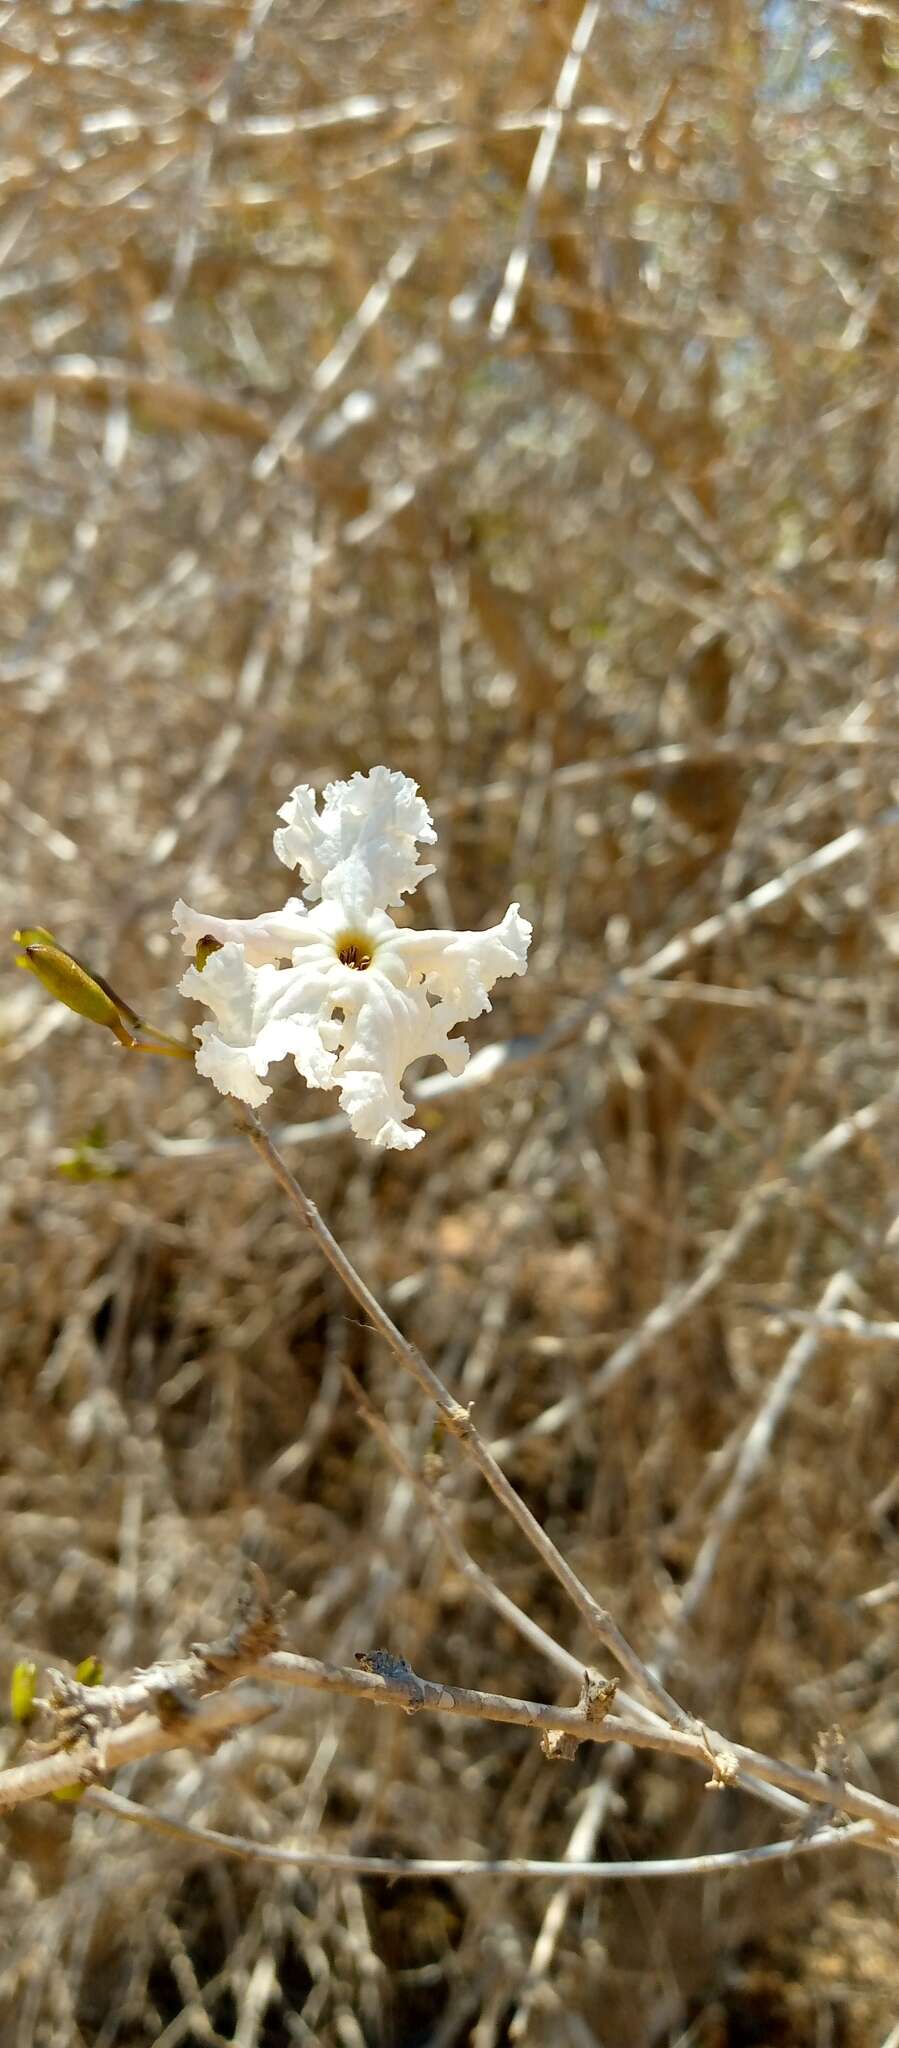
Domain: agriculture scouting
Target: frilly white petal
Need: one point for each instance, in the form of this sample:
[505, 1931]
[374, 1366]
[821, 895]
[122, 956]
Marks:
[348, 1022]
[261, 1015]
[461, 967]
[264, 939]
[392, 1028]
[366, 835]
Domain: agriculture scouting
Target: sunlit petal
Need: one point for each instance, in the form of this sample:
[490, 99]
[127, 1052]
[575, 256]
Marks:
[361, 1000]
[364, 840]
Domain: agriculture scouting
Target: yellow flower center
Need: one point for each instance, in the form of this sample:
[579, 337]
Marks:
[354, 951]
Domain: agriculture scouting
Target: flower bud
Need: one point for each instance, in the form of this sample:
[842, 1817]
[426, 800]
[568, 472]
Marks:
[89, 1671]
[73, 984]
[204, 948]
[23, 1691]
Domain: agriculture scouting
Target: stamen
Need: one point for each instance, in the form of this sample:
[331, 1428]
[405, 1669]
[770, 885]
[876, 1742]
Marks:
[352, 954]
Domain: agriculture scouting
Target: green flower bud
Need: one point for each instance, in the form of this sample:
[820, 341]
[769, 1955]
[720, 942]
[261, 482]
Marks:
[203, 949]
[23, 1691]
[75, 985]
[89, 1671]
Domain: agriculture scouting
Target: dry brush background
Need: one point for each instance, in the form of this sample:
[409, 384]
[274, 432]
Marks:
[506, 393]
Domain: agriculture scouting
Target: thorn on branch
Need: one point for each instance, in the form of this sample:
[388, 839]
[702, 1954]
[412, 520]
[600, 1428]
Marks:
[596, 1697]
[78, 1716]
[725, 1767]
[257, 1631]
[457, 1420]
[80, 1729]
[832, 1756]
[832, 1760]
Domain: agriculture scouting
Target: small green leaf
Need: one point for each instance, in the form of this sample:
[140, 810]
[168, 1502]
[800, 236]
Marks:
[89, 1161]
[82, 1168]
[89, 1671]
[23, 1691]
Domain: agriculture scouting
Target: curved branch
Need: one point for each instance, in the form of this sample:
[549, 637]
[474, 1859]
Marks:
[347, 1864]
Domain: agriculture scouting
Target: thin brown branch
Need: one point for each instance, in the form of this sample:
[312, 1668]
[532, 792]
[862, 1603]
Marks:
[175, 1722]
[458, 1423]
[348, 1864]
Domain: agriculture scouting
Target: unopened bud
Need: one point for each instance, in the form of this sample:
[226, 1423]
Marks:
[204, 947]
[73, 984]
[23, 1691]
[89, 1671]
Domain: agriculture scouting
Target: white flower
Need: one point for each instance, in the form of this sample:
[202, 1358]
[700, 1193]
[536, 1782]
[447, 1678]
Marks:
[360, 999]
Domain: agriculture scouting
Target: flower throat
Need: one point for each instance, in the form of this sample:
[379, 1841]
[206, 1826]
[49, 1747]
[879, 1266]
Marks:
[353, 953]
